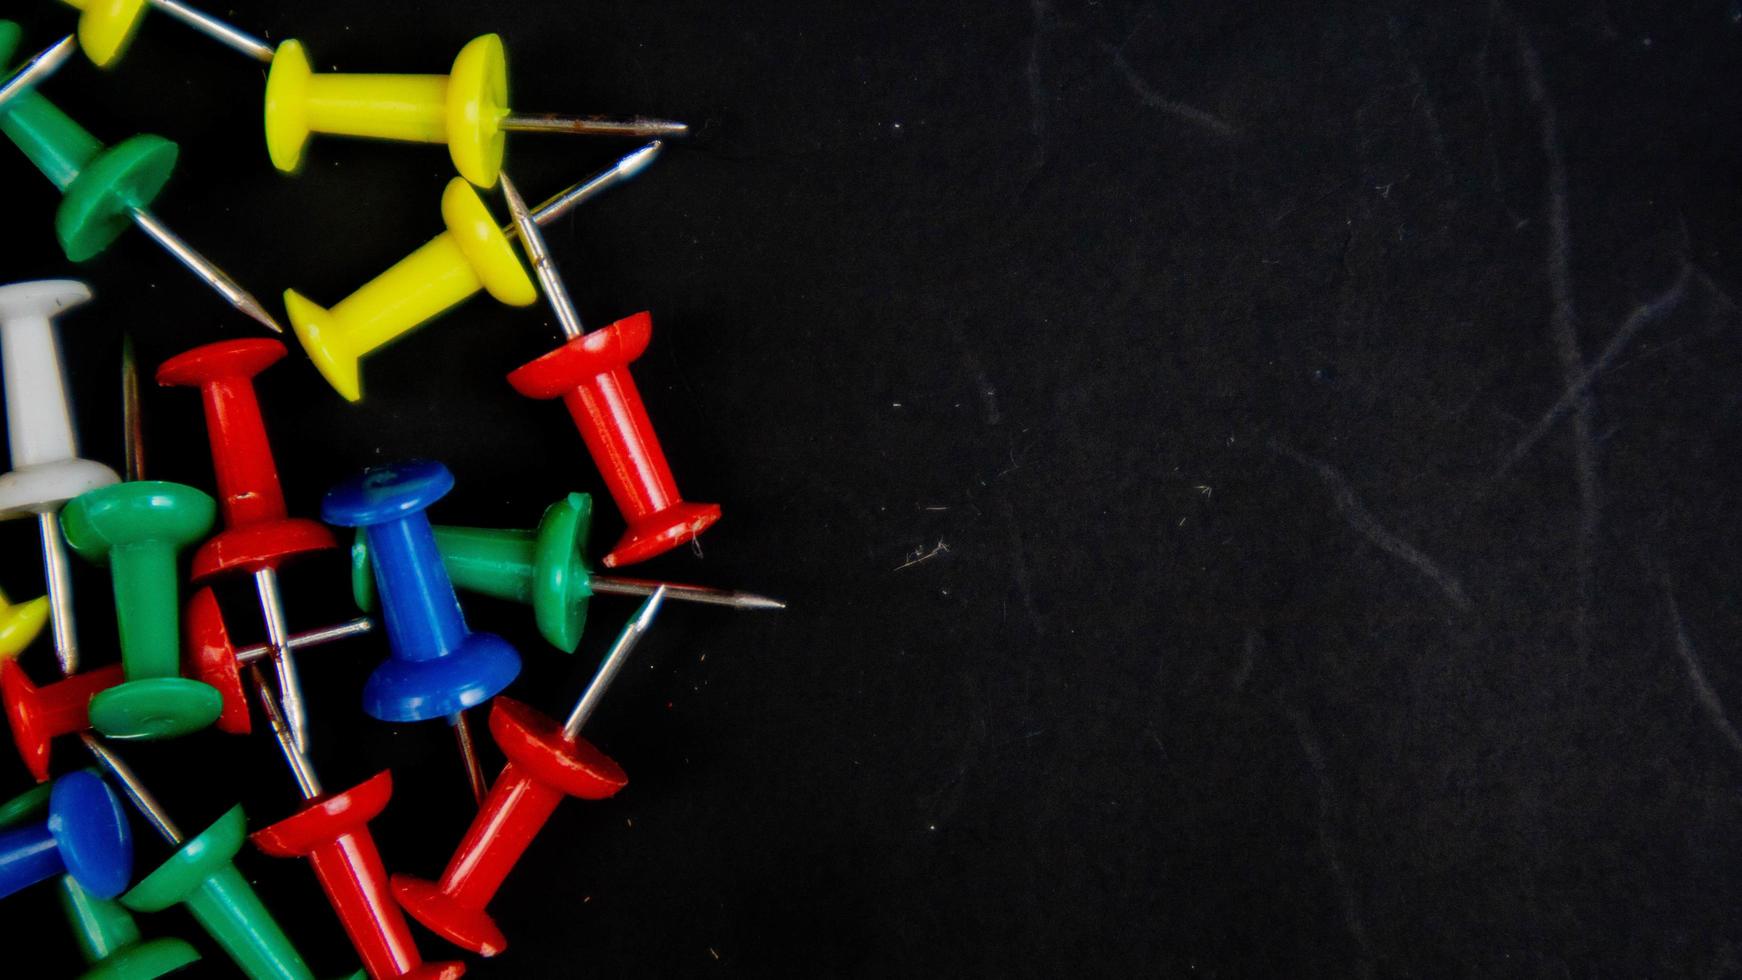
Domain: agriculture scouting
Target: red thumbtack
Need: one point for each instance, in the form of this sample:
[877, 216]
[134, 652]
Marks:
[546, 762]
[590, 373]
[333, 833]
[258, 536]
[40, 714]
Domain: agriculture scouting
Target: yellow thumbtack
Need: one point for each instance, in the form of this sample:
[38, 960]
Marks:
[467, 109]
[19, 624]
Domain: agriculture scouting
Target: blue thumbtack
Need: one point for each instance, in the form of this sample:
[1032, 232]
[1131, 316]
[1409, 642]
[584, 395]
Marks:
[85, 836]
[438, 667]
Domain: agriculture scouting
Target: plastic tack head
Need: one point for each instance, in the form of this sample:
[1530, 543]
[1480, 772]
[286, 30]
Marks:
[545, 568]
[85, 835]
[110, 942]
[472, 254]
[19, 624]
[38, 715]
[543, 767]
[106, 27]
[46, 471]
[137, 528]
[591, 375]
[462, 109]
[438, 667]
[202, 876]
[333, 833]
[258, 533]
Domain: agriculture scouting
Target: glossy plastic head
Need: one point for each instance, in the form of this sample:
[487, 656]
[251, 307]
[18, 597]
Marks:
[98, 205]
[87, 823]
[210, 657]
[419, 690]
[287, 82]
[137, 513]
[477, 101]
[480, 237]
[535, 742]
[188, 868]
[107, 26]
[39, 715]
[387, 493]
[20, 623]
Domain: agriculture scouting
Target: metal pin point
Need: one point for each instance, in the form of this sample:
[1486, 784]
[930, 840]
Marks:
[705, 594]
[306, 781]
[203, 267]
[46, 62]
[565, 201]
[550, 122]
[543, 265]
[226, 34]
[278, 639]
[57, 569]
[132, 421]
[613, 663]
[142, 799]
[469, 756]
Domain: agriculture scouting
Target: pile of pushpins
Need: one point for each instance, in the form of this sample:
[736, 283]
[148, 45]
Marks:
[178, 670]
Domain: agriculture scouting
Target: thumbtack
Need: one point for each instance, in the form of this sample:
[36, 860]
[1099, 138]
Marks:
[212, 658]
[39, 715]
[472, 254]
[438, 667]
[46, 468]
[103, 189]
[590, 373]
[84, 835]
[106, 27]
[466, 109]
[258, 535]
[202, 875]
[41, 65]
[108, 937]
[138, 528]
[545, 568]
[333, 833]
[545, 763]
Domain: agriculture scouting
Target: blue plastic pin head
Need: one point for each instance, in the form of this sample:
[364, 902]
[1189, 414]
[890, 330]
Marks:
[85, 835]
[438, 667]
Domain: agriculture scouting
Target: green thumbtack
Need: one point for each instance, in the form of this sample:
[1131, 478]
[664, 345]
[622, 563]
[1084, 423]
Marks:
[203, 876]
[107, 935]
[545, 568]
[138, 527]
[105, 189]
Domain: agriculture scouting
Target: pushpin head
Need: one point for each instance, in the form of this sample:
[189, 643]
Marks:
[136, 512]
[107, 26]
[19, 624]
[535, 742]
[387, 493]
[211, 657]
[287, 128]
[485, 246]
[41, 297]
[418, 690]
[38, 715]
[86, 821]
[477, 101]
[99, 203]
[154, 708]
[199, 859]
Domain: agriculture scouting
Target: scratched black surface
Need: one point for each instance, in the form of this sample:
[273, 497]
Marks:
[1255, 483]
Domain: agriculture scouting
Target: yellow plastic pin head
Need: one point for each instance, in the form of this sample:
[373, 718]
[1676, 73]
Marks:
[287, 127]
[477, 101]
[327, 342]
[20, 624]
[484, 245]
[106, 27]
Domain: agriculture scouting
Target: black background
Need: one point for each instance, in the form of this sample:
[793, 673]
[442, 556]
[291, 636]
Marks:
[1123, 396]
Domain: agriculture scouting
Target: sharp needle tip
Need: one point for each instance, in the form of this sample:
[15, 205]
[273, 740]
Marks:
[638, 161]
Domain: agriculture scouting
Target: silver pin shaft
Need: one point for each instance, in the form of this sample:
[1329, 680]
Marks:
[132, 421]
[278, 637]
[308, 638]
[469, 756]
[306, 780]
[546, 122]
[135, 790]
[225, 34]
[57, 569]
[705, 594]
[555, 292]
[47, 61]
[593, 186]
[613, 663]
[201, 266]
